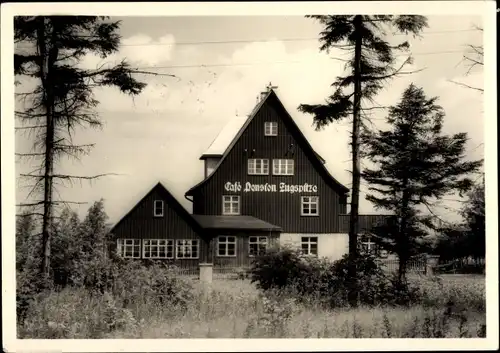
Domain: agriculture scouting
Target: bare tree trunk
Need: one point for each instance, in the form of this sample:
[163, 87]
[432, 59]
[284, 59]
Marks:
[48, 103]
[356, 173]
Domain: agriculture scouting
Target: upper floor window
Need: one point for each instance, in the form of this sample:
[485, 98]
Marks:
[271, 128]
[309, 246]
[158, 208]
[283, 166]
[258, 166]
[309, 206]
[257, 245]
[230, 205]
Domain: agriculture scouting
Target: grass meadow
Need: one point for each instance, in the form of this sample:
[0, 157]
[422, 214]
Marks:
[454, 306]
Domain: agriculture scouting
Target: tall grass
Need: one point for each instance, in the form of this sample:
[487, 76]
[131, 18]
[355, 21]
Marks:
[454, 307]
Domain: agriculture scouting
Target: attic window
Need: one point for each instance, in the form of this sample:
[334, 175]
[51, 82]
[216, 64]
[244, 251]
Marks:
[271, 128]
[158, 208]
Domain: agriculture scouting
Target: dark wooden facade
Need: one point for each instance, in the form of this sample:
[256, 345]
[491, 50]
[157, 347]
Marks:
[175, 224]
[280, 208]
[242, 258]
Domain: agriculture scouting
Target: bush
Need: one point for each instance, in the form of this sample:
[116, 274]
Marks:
[134, 281]
[306, 277]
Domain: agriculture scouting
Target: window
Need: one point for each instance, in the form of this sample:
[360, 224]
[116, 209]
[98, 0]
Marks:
[129, 248]
[271, 128]
[158, 208]
[187, 249]
[283, 166]
[309, 246]
[309, 206]
[258, 166]
[226, 246]
[157, 249]
[230, 205]
[257, 246]
[368, 246]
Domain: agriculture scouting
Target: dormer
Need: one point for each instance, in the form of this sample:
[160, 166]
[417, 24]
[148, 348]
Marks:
[214, 153]
[210, 163]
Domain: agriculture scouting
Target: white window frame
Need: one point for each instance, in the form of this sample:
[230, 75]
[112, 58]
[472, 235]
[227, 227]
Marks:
[288, 164]
[147, 244]
[257, 241]
[187, 243]
[226, 248]
[252, 166]
[307, 200]
[372, 247]
[124, 244]
[271, 128]
[309, 241]
[233, 199]
[162, 208]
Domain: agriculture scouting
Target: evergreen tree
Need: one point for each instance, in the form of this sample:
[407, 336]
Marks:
[27, 243]
[95, 260]
[415, 164]
[49, 51]
[372, 64]
[67, 249]
[474, 213]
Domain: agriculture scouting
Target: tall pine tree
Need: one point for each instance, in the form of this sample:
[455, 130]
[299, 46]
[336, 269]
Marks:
[372, 64]
[49, 51]
[415, 164]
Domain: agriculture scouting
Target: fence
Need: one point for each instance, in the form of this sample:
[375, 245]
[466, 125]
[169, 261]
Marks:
[418, 265]
[422, 264]
[218, 272]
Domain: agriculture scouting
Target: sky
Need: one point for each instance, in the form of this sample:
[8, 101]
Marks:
[160, 134]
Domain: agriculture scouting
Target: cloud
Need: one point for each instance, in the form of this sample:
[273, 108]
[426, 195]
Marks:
[139, 50]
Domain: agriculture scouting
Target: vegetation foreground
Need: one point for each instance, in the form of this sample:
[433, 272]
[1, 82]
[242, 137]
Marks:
[454, 306]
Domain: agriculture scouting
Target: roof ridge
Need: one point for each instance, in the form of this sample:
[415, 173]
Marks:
[243, 128]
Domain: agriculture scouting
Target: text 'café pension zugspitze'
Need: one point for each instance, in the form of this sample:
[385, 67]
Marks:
[263, 183]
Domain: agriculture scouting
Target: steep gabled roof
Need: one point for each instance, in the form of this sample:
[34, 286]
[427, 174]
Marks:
[172, 202]
[290, 123]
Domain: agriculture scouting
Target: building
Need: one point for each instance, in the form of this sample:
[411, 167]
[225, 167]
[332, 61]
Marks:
[263, 183]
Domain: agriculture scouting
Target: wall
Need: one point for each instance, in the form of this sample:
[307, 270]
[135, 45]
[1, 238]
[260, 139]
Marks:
[241, 259]
[332, 246]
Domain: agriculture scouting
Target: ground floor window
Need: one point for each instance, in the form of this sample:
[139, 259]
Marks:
[129, 248]
[226, 246]
[368, 246]
[257, 245]
[309, 245]
[158, 249]
[187, 249]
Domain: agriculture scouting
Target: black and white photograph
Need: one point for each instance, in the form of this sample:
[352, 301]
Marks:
[249, 171]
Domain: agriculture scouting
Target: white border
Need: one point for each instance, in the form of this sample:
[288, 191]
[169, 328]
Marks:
[10, 343]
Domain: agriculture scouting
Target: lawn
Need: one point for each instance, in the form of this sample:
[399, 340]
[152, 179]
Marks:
[236, 309]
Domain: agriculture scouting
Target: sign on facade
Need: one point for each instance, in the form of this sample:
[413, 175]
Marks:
[281, 187]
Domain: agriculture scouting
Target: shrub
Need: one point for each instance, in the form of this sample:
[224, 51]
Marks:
[75, 313]
[306, 277]
[153, 281]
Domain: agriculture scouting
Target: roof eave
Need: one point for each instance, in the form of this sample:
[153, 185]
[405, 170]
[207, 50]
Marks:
[210, 155]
